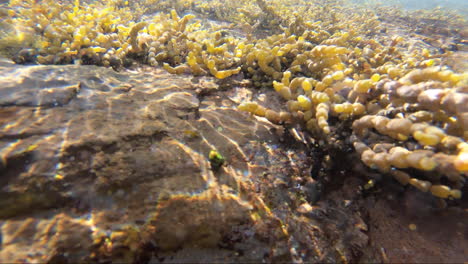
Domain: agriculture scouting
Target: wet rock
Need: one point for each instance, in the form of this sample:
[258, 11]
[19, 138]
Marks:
[198, 221]
[36, 239]
[120, 160]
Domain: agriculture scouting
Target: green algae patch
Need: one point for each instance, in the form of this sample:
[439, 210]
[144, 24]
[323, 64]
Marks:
[216, 160]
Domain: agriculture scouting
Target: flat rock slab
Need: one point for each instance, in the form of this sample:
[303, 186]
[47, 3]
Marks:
[98, 165]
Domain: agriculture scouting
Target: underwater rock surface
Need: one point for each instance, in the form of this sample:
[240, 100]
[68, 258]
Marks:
[101, 166]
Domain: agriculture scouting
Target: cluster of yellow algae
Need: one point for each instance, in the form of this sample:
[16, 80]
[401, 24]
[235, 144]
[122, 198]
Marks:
[329, 62]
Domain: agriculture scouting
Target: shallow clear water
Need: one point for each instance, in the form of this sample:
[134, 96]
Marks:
[233, 131]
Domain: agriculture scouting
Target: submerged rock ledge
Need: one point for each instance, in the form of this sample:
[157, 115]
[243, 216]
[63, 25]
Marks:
[101, 166]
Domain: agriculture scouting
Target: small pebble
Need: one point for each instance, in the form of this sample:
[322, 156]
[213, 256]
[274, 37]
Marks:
[305, 208]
